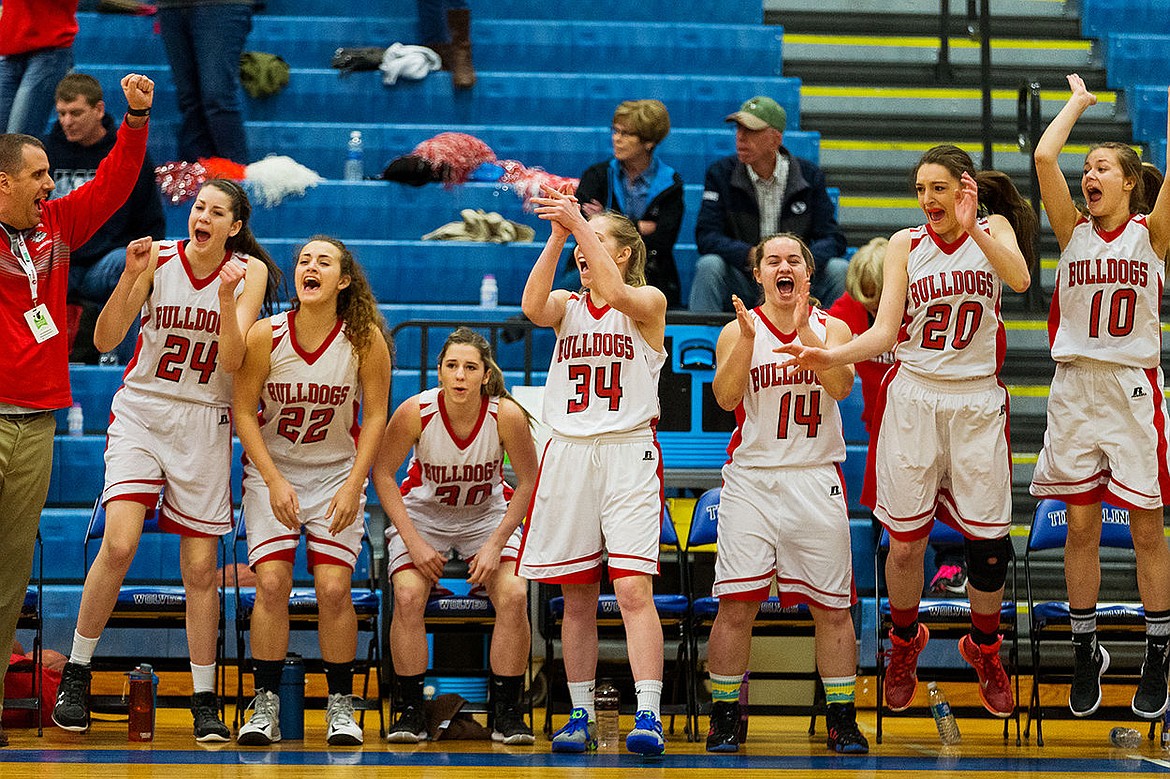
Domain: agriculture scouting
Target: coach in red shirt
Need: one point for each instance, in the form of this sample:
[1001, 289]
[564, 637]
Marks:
[35, 239]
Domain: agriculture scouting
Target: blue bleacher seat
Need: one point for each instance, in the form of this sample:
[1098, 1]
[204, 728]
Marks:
[1101, 17]
[1147, 111]
[1136, 58]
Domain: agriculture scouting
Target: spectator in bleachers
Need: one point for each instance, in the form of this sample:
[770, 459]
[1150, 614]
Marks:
[445, 26]
[1107, 415]
[306, 470]
[760, 190]
[34, 360]
[941, 446]
[637, 183]
[204, 40]
[782, 514]
[459, 429]
[170, 429]
[80, 139]
[36, 50]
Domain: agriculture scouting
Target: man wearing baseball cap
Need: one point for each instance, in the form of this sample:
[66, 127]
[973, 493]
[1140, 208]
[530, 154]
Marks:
[760, 190]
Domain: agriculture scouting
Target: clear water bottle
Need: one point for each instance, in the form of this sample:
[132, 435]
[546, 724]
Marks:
[76, 420]
[743, 708]
[944, 718]
[354, 170]
[606, 702]
[108, 358]
[489, 292]
[1127, 738]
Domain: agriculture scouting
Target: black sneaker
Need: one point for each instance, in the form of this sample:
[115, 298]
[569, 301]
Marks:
[1150, 700]
[71, 711]
[723, 735]
[844, 736]
[409, 728]
[1090, 661]
[509, 726]
[208, 725]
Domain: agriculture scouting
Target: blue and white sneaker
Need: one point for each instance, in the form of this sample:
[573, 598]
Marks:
[578, 734]
[646, 737]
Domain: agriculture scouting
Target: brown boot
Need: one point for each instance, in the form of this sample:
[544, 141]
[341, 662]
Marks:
[462, 69]
[444, 52]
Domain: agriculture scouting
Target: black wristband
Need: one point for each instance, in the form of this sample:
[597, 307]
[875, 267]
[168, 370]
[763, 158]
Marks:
[137, 112]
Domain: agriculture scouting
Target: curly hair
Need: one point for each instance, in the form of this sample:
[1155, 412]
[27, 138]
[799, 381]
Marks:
[356, 305]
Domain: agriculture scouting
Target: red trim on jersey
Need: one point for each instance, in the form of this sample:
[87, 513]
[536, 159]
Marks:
[1131, 490]
[622, 573]
[413, 477]
[590, 576]
[869, 483]
[531, 504]
[759, 594]
[168, 525]
[313, 356]
[276, 338]
[313, 559]
[594, 311]
[785, 338]
[760, 576]
[910, 536]
[294, 537]
[148, 499]
[1112, 235]
[170, 507]
[463, 443]
[787, 595]
[944, 247]
[1157, 398]
[355, 430]
[587, 558]
[1054, 312]
[737, 435]
[199, 284]
[288, 555]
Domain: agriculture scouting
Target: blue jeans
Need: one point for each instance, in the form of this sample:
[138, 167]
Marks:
[715, 282]
[27, 84]
[203, 44]
[95, 283]
[432, 20]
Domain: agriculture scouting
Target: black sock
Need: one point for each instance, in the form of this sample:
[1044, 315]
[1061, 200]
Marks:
[410, 690]
[506, 689]
[983, 639]
[907, 632]
[339, 678]
[266, 674]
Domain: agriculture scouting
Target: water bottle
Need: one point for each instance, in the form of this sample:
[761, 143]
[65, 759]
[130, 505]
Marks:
[1165, 735]
[353, 158]
[108, 358]
[944, 718]
[143, 686]
[606, 702]
[743, 709]
[489, 292]
[1126, 738]
[76, 420]
[292, 698]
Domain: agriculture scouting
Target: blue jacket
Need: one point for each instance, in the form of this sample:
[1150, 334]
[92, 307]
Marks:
[729, 218]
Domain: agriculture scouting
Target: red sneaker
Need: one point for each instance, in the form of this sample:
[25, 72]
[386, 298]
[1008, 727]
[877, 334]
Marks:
[995, 688]
[902, 669]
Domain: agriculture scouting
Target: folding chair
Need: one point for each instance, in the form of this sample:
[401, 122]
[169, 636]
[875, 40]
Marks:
[1117, 621]
[303, 615]
[947, 619]
[32, 617]
[150, 602]
[773, 619]
[673, 613]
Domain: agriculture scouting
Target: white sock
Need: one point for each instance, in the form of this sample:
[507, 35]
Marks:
[649, 695]
[83, 649]
[203, 677]
[581, 694]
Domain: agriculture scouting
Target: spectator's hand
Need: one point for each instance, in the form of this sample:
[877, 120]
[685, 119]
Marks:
[230, 276]
[139, 91]
[1080, 92]
[747, 325]
[285, 506]
[967, 203]
[592, 208]
[138, 256]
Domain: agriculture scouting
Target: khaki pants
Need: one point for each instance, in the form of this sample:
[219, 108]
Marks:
[26, 463]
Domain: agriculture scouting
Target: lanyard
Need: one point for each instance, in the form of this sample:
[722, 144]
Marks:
[26, 263]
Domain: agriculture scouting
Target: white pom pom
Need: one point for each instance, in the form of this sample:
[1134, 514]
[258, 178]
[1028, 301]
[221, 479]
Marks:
[274, 178]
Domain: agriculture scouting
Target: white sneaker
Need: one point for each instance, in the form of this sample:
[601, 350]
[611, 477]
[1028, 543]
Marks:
[341, 729]
[264, 726]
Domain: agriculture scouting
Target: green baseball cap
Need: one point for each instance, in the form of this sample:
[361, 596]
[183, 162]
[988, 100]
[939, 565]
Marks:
[758, 113]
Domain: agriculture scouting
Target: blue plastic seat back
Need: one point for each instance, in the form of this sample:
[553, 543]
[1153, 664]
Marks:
[97, 520]
[1050, 526]
[705, 522]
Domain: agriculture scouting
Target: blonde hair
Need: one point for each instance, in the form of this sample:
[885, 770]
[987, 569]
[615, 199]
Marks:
[863, 280]
[648, 118]
[625, 232]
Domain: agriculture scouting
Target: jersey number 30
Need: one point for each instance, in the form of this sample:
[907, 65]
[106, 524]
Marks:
[603, 384]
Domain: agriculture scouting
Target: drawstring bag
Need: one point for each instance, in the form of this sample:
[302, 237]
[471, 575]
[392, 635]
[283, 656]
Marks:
[262, 74]
[350, 59]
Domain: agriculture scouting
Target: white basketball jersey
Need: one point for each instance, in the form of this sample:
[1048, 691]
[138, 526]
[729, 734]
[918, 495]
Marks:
[952, 328]
[178, 346]
[1108, 294]
[604, 376]
[309, 402]
[785, 418]
[453, 483]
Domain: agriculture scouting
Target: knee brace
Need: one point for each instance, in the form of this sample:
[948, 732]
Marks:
[987, 562]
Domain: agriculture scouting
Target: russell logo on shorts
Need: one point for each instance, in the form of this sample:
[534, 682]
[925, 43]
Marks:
[649, 455]
[1138, 392]
[834, 491]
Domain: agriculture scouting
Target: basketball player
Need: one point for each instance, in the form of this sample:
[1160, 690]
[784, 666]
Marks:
[1107, 429]
[170, 428]
[309, 370]
[600, 485]
[454, 499]
[941, 446]
[782, 513]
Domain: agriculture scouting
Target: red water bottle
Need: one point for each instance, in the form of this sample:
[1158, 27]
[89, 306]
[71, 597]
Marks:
[743, 709]
[141, 703]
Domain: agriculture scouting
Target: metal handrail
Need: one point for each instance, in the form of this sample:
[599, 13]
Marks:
[1028, 129]
[978, 27]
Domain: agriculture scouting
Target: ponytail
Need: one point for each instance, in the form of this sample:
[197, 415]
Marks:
[999, 195]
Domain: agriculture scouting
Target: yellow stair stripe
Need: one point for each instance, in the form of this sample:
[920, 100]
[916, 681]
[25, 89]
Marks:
[935, 93]
[921, 146]
[929, 42]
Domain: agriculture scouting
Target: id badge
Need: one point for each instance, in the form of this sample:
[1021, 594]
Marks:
[41, 323]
